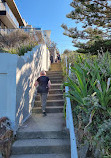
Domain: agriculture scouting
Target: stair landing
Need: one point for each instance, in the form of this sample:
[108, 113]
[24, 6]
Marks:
[36, 122]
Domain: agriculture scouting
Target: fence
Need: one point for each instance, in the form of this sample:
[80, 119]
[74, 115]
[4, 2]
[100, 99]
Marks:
[69, 120]
[17, 77]
[25, 29]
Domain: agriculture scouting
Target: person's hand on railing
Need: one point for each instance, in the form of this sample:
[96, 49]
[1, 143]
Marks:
[49, 84]
[36, 83]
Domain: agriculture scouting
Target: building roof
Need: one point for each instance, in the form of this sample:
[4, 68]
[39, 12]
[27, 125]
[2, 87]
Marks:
[15, 11]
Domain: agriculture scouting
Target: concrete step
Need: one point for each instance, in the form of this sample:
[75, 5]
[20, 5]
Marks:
[50, 103]
[54, 73]
[56, 81]
[55, 91]
[49, 109]
[63, 134]
[56, 86]
[57, 69]
[56, 64]
[41, 146]
[50, 72]
[56, 78]
[42, 156]
[51, 97]
[38, 123]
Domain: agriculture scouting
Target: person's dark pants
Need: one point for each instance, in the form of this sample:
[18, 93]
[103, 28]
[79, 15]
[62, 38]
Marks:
[43, 97]
[51, 60]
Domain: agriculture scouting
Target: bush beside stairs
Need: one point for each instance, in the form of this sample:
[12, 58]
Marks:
[45, 137]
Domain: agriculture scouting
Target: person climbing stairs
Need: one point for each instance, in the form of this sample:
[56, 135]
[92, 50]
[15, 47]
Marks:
[45, 137]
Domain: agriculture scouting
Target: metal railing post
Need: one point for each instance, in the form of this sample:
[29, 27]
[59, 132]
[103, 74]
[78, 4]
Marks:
[69, 119]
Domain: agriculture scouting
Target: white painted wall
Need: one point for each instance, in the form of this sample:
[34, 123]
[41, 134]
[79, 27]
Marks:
[17, 77]
[28, 70]
[8, 65]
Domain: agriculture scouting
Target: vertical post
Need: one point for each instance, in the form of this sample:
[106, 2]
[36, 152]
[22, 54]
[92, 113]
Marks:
[46, 58]
[69, 119]
[66, 65]
[69, 69]
[66, 90]
[67, 111]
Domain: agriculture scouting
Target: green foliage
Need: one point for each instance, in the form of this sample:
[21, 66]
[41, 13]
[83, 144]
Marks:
[13, 51]
[90, 12]
[94, 18]
[98, 46]
[90, 87]
[104, 136]
[79, 88]
[22, 50]
[19, 42]
[66, 51]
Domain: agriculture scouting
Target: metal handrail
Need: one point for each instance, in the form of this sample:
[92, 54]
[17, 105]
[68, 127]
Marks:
[69, 121]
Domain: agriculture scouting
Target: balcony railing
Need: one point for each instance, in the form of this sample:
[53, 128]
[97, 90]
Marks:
[4, 6]
[28, 30]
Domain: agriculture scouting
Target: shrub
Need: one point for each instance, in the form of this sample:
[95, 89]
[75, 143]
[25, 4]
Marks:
[19, 42]
[98, 46]
[90, 87]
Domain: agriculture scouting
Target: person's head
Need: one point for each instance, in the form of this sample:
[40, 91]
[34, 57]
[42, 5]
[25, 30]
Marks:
[43, 73]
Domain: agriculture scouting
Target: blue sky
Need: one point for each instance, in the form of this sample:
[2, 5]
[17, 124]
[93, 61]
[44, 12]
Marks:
[49, 15]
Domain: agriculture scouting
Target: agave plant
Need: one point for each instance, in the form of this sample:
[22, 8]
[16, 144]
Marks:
[90, 87]
[103, 92]
[80, 87]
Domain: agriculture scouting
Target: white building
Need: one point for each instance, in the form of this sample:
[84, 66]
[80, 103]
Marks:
[9, 15]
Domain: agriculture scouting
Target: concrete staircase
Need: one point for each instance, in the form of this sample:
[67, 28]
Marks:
[45, 137]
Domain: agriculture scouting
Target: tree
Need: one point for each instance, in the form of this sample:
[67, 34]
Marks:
[66, 51]
[91, 14]
[98, 47]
